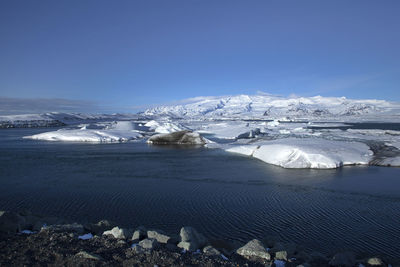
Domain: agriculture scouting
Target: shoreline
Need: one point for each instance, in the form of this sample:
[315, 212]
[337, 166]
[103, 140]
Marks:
[28, 239]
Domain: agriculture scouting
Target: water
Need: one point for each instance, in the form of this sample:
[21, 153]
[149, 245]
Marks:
[223, 195]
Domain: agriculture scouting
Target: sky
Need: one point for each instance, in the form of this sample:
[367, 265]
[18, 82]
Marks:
[125, 55]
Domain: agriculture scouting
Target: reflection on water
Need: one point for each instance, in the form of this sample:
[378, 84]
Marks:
[224, 195]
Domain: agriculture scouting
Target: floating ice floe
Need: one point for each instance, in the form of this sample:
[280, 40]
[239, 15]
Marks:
[116, 132]
[313, 153]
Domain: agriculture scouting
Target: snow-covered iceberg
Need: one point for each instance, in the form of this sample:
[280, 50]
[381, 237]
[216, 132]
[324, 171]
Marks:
[120, 131]
[307, 152]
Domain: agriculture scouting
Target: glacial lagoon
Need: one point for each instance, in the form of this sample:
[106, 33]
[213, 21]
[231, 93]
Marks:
[224, 195]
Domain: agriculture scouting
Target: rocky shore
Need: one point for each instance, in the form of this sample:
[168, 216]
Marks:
[31, 240]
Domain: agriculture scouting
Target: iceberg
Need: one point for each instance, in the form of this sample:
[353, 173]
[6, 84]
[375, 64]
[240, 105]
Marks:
[314, 153]
[122, 131]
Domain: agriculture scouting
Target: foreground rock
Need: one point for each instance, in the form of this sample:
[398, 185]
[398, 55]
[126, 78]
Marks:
[62, 244]
[148, 243]
[191, 240]
[211, 251]
[49, 248]
[86, 255]
[159, 235]
[139, 234]
[177, 138]
[119, 233]
[254, 248]
[375, 262]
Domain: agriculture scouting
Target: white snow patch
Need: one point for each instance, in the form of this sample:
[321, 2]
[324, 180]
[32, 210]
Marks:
[163, 127]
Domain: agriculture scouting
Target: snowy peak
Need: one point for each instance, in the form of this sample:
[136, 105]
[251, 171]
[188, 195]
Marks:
[272, 107]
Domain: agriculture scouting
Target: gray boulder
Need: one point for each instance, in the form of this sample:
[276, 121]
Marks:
[375, 262]
[191, 240]
[148, 243]
[177, 138]
[87, 255]
[138, 250]
[11, 222]
[140, 233]
[343, 259]
[119, 233]
[254, 248]
[281, 255]
[158, 235]
[211, 251]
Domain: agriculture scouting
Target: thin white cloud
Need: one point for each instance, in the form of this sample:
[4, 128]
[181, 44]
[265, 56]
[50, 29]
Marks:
[11, 106]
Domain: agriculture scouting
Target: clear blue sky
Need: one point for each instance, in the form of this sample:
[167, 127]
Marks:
[124, 54]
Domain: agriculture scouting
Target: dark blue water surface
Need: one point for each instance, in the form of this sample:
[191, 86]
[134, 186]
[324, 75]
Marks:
[225, 196]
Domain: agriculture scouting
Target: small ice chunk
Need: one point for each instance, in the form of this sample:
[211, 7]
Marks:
[224, 257]
[85, 236]
[273, 123]
[279, 263]
[27, 232]
[197, 252]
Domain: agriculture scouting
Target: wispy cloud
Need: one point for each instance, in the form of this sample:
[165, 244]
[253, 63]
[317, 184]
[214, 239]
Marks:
[10, 106]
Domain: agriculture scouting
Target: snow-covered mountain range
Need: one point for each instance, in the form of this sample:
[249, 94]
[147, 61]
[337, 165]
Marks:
[276, 107]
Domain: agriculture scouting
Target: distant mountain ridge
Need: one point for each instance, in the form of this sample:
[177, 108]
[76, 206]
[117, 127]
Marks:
[275, 107]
